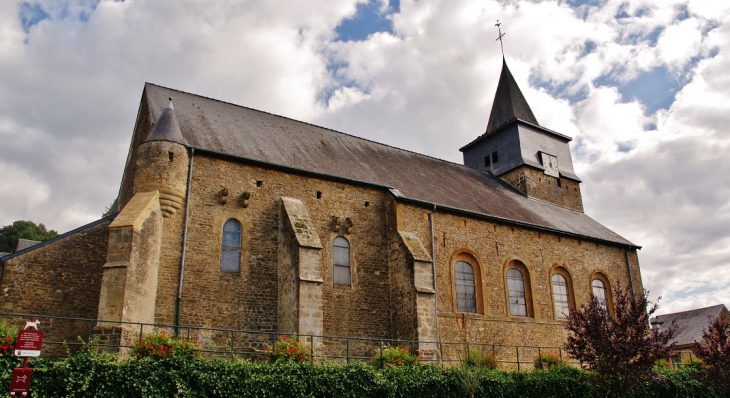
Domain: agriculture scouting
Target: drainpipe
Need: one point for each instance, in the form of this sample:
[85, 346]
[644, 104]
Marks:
[433, 269]
[631, 279]
[185, 243]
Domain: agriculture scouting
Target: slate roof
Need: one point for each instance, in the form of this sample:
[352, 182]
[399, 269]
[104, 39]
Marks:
[223, 128]
[509, 103]
[167, 128]
[25, 243]
[690, 324]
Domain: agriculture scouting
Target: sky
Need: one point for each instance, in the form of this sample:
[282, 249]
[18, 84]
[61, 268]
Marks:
[641, 86]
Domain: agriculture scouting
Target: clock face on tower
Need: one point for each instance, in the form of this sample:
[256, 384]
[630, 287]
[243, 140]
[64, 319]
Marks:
[550, 163]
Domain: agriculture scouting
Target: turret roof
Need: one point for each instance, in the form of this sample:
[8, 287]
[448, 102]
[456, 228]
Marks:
[167, 128]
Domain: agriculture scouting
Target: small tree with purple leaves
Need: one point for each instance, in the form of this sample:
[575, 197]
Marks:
[619, 347]
[714, 351]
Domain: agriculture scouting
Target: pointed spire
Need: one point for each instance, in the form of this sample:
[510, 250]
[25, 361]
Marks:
[509, 103]
[167, 128]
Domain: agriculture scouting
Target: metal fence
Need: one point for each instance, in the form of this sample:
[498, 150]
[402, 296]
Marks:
[65, 335]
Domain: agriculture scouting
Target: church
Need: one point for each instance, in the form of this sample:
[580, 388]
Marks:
[238, 219]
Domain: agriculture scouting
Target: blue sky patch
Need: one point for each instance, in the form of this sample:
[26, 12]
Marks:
[31, 14]
[655, 89]
[564, 90]
[367, 20]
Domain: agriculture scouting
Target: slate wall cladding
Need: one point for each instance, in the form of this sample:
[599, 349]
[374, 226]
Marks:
[536, 184]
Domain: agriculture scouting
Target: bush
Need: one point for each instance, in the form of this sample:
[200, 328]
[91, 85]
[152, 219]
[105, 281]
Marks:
[618, 346]
[8, 360]
[548, 360]
[714, 351]
[391, 356]
[287, 349]
[479, 359]
[160, 345]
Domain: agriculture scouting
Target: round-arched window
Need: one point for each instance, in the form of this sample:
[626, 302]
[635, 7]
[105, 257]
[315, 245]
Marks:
[466, 296]
[231, 247]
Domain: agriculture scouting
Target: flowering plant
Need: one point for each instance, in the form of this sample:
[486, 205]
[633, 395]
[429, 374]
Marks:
[395, 356]
[287, 349]
[8, 334]
[8, 360]
[479, 359]
[160, 345]
[548, 360]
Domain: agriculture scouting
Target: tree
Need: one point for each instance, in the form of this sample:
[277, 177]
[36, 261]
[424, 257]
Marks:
[714, 351]
[10, 234]
[619, 346]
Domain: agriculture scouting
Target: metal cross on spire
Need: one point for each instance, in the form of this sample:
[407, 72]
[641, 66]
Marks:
[500, 36]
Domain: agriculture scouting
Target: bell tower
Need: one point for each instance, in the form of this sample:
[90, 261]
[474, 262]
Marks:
[534, 160]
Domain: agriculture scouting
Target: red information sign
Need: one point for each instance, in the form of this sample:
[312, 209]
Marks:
[20, 382]
[29, 343]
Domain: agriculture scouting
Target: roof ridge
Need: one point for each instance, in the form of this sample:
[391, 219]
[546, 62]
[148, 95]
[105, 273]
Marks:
[312, 124]
[59, 237]
[692, 310]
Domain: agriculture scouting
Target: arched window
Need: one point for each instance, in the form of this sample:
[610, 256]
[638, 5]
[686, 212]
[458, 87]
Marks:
[599, 290]
[561, 298]
[466, 295]
[231, 247]
[341, 261]
[516, 293]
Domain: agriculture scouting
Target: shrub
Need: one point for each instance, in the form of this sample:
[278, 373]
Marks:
[620, 347]
[548, 360]
[287, 349]
[160, 345]
[8, 360]
[391, 356]
[714, 351]
[479, 359]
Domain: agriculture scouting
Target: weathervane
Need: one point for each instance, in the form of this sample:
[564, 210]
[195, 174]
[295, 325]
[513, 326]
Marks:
[500, 36]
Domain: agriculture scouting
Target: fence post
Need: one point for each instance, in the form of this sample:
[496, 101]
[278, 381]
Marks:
[231, 343]
[311, 346]
[518, 356]
[381, 354]
[141, 326]
[347, 350]
[560, 353]
[91, 330]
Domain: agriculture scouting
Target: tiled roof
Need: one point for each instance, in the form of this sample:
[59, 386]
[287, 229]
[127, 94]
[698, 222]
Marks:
[261, 137]
[690, 324]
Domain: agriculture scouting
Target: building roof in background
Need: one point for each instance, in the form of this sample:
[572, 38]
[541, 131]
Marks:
[25, 243]
[691, 324]
[260, 137]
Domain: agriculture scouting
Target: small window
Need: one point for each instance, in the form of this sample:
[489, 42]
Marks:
[341, 261]
[561, 299]
[487, 161]
[599, 290]
[466, 296]
[495, 158]
[516, 293]
[231, 247]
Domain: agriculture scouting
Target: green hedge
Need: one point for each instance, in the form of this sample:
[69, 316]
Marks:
[92, 375]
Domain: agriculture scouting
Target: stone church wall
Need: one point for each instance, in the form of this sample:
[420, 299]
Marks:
[60, 278]
[491, 247]
[248, 299]
[536, 184]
